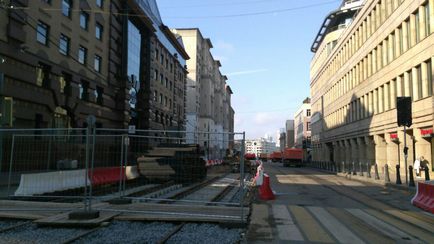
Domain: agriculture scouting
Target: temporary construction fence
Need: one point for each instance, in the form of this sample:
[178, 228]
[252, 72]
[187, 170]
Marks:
[97, 164]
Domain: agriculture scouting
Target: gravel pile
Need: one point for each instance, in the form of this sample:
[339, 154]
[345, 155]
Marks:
[206, 233]
[128, 232]
[32, 234]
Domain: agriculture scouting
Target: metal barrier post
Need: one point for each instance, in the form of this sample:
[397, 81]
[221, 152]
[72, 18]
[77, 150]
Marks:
[10, 164]
[120, 165]
[92, 119]
[377, 176]
[368, 170]
[411, 183]
[386, 173]
[398, 175]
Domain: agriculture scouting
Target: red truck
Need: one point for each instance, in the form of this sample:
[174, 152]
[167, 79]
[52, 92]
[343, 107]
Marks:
[263, 157]
[276, 156]
[249, 156]
[293, 157]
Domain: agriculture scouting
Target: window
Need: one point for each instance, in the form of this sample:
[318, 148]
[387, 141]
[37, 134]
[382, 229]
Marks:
[83, 90]
[161, 78]
[46, 1]
[161, 59]
[308, 112]
[170, 103]
[82, 55]
[417, 27]
[427, 19]
[165, 101]
[155, 74]
[99, 3]
[161, 98]
[98, 31]
[156, 54]
[43, 75]
[42, 31]
[429, 77]
[97, 64]
[65, 83]
[64, 44]
[99, 95]
[167, 83]
[155, 95]
[84, 20]
[66, 8]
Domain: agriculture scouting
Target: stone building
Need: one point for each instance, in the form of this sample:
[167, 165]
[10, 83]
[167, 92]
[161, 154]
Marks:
[289, 127]
[65, 60]
[302, 128]
[208, 96]
[367, 54]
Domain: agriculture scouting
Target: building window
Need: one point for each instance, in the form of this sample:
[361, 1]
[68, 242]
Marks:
[155, 74]
[161, 59]
[42, 31]
[46, 1]
[99, 95]
[64, 44]
[83, 90]
[308, 112]
[99, 3]
[66, 8]
[167, 83]
[427, 19]
[156, 54]
[43, 75]
[97, 64]
[170, 103]
[308, 126]
[165, 101]
[98, 31]
[155, 95]
[82, 55]
[84, 20]
[161, 79]
[161, 98]
[65, 83]
[417, 27]
[430, 77]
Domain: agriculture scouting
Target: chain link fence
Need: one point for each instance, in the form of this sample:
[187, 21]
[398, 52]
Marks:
[96, 164]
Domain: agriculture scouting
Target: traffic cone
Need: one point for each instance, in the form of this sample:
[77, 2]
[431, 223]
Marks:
[265, 192]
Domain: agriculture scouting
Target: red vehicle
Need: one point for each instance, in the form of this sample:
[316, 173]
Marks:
[276, 156]
[293, 156]
[263, 157]
[249, 156]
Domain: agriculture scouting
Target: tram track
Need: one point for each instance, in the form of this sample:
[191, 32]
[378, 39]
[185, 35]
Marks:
[420, 225]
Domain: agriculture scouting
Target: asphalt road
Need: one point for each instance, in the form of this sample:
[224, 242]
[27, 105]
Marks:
[316, 207]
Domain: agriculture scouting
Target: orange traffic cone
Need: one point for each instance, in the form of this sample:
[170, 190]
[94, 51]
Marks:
[265, 192]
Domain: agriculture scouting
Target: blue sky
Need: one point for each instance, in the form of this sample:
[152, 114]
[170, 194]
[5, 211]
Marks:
[265, 56]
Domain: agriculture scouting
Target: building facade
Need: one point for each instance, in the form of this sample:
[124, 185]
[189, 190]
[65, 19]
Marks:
[261, 145]
[72, 60]
[358, 71]
[208, 96]
[289, 127]
[302, 127]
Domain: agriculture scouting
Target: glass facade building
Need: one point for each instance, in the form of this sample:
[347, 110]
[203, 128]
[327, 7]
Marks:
[133, 68]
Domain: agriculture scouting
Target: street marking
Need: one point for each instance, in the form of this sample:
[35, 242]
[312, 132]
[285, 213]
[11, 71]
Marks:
[309, 226]
[379, 225]
[260, 227]
[418, 232]
[339, 231]
[411, 219]
[286, 228]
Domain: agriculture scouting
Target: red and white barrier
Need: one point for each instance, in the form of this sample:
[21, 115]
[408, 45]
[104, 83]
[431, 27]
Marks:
[424, 197]
[40, 183]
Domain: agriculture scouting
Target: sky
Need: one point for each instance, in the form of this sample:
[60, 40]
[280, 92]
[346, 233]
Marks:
[264, 48]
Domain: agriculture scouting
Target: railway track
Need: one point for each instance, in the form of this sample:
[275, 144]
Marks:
[413, 221]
